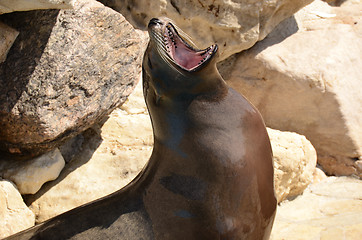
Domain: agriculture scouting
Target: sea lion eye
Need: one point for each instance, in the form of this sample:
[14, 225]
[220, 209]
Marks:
[155, 21]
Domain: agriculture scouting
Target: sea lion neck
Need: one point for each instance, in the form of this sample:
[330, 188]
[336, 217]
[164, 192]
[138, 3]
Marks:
[169, 94]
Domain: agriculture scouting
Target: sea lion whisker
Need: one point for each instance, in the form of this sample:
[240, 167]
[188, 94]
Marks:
[161, 48]
[186, 37]
[167, 59]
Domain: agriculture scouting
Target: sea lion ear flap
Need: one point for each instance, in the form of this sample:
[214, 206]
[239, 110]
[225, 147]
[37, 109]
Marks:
[216, 50]
[216, 54]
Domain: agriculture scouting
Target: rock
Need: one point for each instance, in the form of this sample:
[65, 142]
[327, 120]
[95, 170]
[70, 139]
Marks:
[318, 176]
[233, 25]
[15, 216]
[331, 209]
[104, 164]
[294, 163]
[309, 82]
[359, 167]
[30, 175]
[67, 70]
[7, 38]
[349, 2]
[7, 6]
[342, 2]
[333, 2]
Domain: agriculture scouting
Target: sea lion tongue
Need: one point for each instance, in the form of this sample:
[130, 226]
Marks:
[181, 52]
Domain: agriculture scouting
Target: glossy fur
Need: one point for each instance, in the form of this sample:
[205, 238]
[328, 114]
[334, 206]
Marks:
[210, 175]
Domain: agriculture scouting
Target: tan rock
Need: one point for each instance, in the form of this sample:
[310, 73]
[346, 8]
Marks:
[106, 163]
[359, 167]
[318, 176]
[7, 38]
[7, 6]
[305, 78]
[349, 2]
[331, 209]
[15, 216]
[30, 175]
[233, 25]
[294, 163]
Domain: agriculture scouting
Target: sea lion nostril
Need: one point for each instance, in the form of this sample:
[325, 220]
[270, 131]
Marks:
[154, 21]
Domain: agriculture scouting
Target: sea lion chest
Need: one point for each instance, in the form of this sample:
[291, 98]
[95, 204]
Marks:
[203, 174]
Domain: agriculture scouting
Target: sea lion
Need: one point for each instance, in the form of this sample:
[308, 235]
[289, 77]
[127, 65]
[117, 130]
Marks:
[210, 175]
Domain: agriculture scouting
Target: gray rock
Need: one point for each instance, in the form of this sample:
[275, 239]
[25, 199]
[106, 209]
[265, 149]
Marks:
[67, 70]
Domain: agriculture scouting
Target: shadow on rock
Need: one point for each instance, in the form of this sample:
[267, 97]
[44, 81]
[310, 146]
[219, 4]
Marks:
[22, 59]
[76, 152]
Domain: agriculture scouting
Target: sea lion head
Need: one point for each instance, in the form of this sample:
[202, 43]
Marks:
[174, 64]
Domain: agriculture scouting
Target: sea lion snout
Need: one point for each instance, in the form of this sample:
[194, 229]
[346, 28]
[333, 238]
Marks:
[173, 46]
[154, 21]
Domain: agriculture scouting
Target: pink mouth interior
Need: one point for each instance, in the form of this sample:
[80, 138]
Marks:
[183, 54]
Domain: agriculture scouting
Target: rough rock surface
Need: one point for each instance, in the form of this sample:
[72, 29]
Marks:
[295, 162]
[109, 157]
[233, 25]
[7, 38]
[7, 6]
[309, 82]
[15, 216]
[66, 70]
[30, 175]
[331, 209]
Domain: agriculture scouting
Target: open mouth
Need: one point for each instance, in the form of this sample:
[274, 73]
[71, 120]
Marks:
[184, 55]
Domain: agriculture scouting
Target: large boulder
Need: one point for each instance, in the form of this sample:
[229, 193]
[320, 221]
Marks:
[7, 6]
[233, 25]
[305, 77]
[67, 70]
[14, 214]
